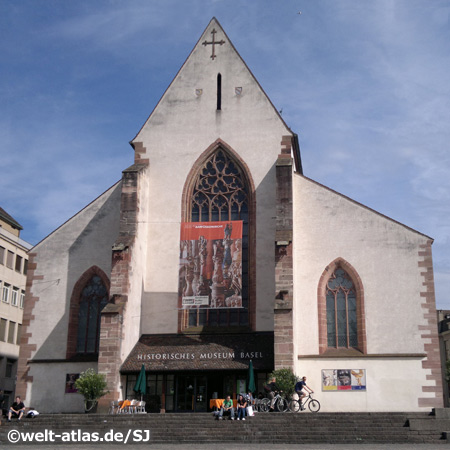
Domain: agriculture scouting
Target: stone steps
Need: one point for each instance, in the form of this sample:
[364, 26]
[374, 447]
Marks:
[274, 428]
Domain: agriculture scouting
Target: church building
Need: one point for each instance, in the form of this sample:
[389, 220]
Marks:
[215, 249]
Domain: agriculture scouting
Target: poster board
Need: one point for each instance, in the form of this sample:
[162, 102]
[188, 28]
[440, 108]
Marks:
[210, 270]
[344, 380]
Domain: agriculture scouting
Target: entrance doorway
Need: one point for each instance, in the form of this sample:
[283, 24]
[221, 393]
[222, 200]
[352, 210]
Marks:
[191, 393]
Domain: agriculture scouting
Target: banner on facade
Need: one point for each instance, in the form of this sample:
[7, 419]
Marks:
[210, 273]
[343, 380]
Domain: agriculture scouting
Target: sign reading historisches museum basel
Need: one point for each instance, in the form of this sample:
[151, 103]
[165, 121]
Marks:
[202, 352]
[232, 355]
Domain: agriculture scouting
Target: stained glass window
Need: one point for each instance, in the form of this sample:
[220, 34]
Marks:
[93, 298]
[220, 193]
[341, 311]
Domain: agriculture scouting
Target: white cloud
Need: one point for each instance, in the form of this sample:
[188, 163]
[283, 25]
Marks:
[364, 84]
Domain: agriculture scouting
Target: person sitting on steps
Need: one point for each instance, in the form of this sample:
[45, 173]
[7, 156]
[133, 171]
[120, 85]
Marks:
[227, 408]
[17, 408]
[241, 407]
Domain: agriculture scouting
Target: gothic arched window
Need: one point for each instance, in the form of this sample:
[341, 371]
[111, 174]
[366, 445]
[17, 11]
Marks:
[94, 297]
[341, 314]
[219, 191]
[342, 330]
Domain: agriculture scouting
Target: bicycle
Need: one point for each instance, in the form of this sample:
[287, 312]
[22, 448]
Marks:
[313, 404]
[279, 402]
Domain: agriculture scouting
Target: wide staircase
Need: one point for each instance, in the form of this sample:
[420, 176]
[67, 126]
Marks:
[276, 428]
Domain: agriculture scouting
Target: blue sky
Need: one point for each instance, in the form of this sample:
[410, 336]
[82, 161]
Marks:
[365, 84]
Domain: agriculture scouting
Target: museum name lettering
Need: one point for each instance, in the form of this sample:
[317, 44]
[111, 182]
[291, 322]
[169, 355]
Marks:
[190, 356]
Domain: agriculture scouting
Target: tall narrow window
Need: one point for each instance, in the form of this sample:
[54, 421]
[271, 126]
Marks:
[341, 311]
[11, 332]
[5, 292]
[221, 193]
[18, 263]
[14, 296]
[9, 259]
[219, 92]
[3, 323]
[93, 298]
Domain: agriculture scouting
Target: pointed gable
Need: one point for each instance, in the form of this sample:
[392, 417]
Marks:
[213, 92]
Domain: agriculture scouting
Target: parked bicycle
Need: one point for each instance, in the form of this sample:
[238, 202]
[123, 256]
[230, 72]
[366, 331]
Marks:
[280, 403]
[297, 405]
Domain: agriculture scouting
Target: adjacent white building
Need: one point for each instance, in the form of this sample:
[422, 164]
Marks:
[13, 270]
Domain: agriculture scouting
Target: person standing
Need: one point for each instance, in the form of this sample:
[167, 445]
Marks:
[273, 390]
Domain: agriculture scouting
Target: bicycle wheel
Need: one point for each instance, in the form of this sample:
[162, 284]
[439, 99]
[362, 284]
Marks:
[294, 406]
[314, 405]
[264, 405]
[282, 405]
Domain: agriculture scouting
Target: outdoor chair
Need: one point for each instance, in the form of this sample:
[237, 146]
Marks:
[114, 407]
[140, 407]
[133, 407]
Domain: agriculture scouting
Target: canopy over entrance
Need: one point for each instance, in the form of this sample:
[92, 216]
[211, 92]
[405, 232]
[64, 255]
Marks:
[179, 352]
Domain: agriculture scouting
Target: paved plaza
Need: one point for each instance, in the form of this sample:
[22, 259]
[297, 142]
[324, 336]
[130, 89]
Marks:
[243, 446]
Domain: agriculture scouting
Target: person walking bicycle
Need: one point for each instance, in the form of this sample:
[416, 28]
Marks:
[273, 390]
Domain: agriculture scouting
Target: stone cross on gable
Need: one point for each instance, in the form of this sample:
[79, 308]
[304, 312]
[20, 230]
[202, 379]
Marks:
[213, 43]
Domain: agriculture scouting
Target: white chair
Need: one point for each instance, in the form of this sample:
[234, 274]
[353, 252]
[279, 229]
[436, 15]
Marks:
[133, 407]
[114, 407]
[141, 407]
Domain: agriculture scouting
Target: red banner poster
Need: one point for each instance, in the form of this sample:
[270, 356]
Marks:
[210, 274]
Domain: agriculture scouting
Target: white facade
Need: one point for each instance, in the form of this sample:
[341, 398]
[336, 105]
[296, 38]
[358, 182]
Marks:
[61, 259]
[184, 124]
[385, 254]
[214, 102]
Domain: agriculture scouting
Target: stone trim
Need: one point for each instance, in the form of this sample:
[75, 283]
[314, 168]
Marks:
[186, 195]
[284, 264]
[139, 152]
[26, 346]
[366, 356]
[322, 306]
[74, 306]
[111, 322]
[111, 335]
[429, 331]
[284, 339]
